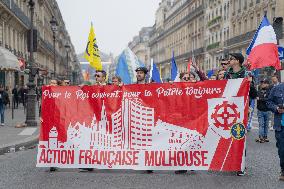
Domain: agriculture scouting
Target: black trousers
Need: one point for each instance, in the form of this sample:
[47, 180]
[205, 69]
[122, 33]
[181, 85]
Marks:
[15, 102]
[279, 135]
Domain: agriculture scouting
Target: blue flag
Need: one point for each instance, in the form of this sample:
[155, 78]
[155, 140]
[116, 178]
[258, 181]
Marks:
[174, 70]
[255, 73]
[210, 73]
[122, 69]
[155, 74]
[251, 111]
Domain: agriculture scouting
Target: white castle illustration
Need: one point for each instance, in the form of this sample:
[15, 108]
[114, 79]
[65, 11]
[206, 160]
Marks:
[133, 127]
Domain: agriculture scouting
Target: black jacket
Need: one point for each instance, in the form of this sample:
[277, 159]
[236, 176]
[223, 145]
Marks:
[15, 92]
[4, 98]
[263, 94]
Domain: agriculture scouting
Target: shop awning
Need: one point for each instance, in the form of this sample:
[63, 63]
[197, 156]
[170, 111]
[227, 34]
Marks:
[8, 61]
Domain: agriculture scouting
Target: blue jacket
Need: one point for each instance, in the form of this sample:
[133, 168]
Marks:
[276, 98]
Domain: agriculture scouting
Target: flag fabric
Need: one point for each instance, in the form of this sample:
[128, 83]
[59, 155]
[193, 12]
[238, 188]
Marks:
[126, 65]
[154, 73]
[189, 65]
[256, 73]
[263, 50]
[174, 69]
[210, 73]
[92, 54]
[22, 63]
[190, 62]
[160, 69]
[251, 111]
[122, 69]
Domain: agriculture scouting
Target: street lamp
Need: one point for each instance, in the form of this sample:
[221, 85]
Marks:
[54, 25]
[67, 47]
[31, 96]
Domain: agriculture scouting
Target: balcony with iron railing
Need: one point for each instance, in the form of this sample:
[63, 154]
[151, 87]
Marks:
[214, 22]
[13, 7]
[241, 38]
[213, 46]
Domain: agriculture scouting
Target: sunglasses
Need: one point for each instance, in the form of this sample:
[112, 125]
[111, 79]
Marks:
[97, 75]
[186, 78]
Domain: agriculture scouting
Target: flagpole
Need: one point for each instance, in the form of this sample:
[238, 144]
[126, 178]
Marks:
[151, 70]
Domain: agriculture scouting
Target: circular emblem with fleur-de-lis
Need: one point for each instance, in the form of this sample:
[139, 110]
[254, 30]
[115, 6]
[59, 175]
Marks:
[238, 131]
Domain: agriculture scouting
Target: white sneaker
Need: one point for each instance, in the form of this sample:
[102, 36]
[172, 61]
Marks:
[2, 124]
[241, 173]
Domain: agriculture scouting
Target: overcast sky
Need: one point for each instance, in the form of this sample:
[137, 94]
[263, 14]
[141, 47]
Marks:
[115, 22]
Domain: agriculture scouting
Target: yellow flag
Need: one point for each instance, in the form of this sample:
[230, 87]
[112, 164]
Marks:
[92, 53]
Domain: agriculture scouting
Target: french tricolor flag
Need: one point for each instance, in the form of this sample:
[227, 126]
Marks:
[263, 50]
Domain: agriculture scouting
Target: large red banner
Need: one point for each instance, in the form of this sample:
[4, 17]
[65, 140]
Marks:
[180, 126]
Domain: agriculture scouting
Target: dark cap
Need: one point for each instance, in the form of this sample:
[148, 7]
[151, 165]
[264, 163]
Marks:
[265, 81]
[143, 69]
[238, 56]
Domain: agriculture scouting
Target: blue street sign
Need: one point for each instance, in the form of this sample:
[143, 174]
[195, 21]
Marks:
[281, 52]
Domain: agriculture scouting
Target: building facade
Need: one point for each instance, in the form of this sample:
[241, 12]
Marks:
[140, 45]
[217, 24]
[14, 26]
[207, 29]
[245, 17]
[179, 28]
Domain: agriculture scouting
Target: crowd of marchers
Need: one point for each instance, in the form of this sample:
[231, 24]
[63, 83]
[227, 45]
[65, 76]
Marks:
[269, 97]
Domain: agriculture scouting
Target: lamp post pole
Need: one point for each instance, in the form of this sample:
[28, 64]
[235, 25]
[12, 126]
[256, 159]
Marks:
[31, 96]
[68, 77]
[54, 56]
[67, 47]
[54, 25]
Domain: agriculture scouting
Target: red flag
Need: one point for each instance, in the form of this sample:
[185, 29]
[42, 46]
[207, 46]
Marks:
[22, 63]
[189, 65]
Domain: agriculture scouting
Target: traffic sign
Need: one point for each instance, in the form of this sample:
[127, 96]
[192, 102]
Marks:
[281, 52]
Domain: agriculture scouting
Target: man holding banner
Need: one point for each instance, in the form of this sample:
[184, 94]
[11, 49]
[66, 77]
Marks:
[100, 77]
[236, 70]
[141, 73]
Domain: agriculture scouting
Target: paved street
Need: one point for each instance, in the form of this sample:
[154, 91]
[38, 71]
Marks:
[18, 171]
